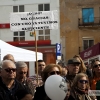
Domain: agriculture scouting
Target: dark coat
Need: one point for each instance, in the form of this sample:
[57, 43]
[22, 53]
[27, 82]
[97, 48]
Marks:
[77, 94]
[40, 94]
[10, 94]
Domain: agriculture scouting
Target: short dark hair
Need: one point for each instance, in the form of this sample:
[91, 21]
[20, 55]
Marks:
[39, 61]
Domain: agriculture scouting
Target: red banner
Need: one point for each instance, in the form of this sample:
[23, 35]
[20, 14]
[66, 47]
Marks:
[90, 52]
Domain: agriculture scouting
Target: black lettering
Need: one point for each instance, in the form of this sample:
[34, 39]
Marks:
[29, 13]
[55, 22]
[12, 24]
[24, 19]
[18, 23]
[38, 22]
[30, 18]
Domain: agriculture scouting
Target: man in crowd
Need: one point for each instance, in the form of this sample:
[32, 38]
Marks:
[21, 76]
[41, 65]
[73, 69]
[8, 85]
[9, 57]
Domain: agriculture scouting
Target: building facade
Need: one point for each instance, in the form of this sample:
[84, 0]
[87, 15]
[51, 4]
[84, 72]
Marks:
[46, 39]
[79, 24]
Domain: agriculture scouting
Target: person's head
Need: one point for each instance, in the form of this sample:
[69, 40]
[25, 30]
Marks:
[23, 94]
[95, 67]
[81, 81]
[21, 72]
[73, 66]
[64, 71]
[51, 69]
[41, 66]
[8, 70]
[82, 65]
[9, 57]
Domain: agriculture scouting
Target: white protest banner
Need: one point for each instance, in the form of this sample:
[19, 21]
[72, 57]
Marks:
[38, 20]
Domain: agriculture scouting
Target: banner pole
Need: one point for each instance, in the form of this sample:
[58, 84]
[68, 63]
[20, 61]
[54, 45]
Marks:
[36, 55]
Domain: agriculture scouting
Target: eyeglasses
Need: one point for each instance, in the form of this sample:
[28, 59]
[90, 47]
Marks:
[41, 65]
[22, 72]
[95, 66]
[55, 72]
[83, 81]
[10, 69]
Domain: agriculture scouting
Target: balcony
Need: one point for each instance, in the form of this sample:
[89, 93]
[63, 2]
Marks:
[90, 23]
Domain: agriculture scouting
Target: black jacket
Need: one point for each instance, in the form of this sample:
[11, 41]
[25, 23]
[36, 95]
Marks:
[40, 94]
[6, 94]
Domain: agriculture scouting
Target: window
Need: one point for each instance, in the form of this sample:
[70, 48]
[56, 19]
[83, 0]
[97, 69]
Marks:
[44, 7]
[88, 15]
[44, 35]
[19, 36]
[87, 43]
[19, 8]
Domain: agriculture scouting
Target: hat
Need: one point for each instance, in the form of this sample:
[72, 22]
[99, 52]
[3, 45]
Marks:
[73, 61]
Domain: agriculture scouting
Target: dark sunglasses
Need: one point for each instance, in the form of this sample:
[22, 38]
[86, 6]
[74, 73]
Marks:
[83, 81]
[76, 64]
[41, 65]
[55, 72]
[22, 72]
[10, 69]
[95, 66]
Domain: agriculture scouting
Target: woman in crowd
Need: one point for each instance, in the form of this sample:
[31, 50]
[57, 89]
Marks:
[80, 87]
[51, 69]
[82, 65]
[96, 74]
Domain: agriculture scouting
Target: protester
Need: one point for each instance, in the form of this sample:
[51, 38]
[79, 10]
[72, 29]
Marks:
[51, 69]
[83, 68]
[89, 70]
[98, 89]
[23, 95]
[41, 65]
[82, 65]
[8, 85]
[9, 57]
[96, 74]
[80, 87]
[73, 69]
[64, 68]
[21, 75]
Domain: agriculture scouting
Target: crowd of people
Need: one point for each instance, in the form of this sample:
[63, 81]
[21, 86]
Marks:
[15, 84]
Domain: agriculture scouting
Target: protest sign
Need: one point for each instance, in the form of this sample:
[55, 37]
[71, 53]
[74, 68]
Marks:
[38, 20]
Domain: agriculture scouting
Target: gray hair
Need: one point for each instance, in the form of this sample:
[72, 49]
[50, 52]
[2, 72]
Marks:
[5, 61]
[20, 64]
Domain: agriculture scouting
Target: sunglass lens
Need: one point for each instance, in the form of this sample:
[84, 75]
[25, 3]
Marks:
[54, 72]
[95, 66]
[9, 70]
[58, 72]
[83, 81]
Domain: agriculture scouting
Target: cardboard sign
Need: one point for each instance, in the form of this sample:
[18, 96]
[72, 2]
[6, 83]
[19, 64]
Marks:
[27, 21]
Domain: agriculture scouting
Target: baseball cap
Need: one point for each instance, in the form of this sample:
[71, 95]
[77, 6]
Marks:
[73, 61]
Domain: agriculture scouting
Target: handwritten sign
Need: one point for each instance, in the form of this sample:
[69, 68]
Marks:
[23, 21]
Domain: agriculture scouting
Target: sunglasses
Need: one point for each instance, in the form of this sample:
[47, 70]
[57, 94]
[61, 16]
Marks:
[83, 81]
[22, 72]
[95, 66]
[55, 72]
[8, 70]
